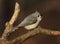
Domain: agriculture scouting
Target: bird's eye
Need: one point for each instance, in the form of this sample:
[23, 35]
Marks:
[38, 15]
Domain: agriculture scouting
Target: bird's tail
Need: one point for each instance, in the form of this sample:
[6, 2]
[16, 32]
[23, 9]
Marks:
[13, 29]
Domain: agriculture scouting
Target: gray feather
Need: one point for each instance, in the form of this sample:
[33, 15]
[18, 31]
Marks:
[29, 19]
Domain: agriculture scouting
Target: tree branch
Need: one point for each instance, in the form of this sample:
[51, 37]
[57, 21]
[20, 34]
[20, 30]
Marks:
[10, 23]
[34, 32]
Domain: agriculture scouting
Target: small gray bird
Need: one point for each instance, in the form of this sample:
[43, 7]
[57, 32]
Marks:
[30, 22]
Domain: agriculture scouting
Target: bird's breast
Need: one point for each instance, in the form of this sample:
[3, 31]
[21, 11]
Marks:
[30, 27]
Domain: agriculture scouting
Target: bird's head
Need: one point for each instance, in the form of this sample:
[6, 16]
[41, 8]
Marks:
[37, 15]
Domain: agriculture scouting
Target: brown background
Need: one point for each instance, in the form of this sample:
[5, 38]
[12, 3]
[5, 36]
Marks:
[50, 12]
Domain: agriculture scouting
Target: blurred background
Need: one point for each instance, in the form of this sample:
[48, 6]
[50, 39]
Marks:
[49, 10]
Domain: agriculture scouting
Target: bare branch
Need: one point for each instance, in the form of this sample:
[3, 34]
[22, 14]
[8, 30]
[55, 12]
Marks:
[36, 31]
[10, 23]
[32, 33]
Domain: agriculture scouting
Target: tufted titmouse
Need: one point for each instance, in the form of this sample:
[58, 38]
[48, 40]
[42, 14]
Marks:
[30, 22]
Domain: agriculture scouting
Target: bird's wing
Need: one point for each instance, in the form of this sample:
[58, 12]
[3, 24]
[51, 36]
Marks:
[27, 21]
